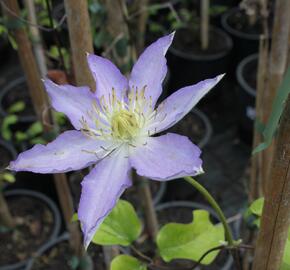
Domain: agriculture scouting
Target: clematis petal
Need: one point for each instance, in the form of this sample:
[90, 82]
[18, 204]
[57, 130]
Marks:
[100, 191]
[176, 106]
[69, 151]
[150, 69]
[107, 76]
[74, 102]
[166, 157]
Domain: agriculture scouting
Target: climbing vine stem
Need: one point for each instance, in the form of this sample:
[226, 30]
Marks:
[215, 206]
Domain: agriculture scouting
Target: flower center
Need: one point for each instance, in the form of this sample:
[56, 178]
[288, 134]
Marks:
[124, 125]
[121, 119]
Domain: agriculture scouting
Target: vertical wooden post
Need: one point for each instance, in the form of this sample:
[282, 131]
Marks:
[204, 24]
[36, 38]
[149, 210]
[275, 219]
[80, 40]
[277, 66]
[118, 29]
[27, 61]
[6, 218]
[256, 181]
[40, 103]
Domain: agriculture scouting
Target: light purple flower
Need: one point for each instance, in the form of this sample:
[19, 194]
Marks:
[114, 130]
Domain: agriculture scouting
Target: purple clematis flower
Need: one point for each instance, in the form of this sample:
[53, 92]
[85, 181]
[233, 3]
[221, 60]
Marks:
[114, 130]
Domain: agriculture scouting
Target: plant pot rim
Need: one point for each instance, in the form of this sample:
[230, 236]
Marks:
[187, 204]
[196, 57]
[161, 191]
[9, 146]
[239, 73]
[208, 127]
[57, 221]
[49, 245]
[5, 90]
[233, 31]
[45, 247]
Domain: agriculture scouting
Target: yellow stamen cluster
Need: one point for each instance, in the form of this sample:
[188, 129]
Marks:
[120, 120]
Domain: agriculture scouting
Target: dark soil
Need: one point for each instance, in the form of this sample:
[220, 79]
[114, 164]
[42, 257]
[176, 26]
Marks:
[57, 258]
[250, 73]
[34, 224]
[188, 41]
[191, 126]
[240, 21]
[177, 214]
[96, 254]
[18, 93]
[5, 157]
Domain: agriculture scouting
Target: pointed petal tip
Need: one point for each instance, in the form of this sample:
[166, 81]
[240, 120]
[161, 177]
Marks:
[172, 35]
[9, 167]
[219, 77]
[86, 244]
[200, 170]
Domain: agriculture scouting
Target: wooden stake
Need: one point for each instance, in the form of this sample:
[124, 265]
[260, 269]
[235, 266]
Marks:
[36, 38]
[275, 219]
[149, 209]
[204, 29]
[278, 61]
[40, 103]
[118, 29]
[6, 218]
[80, 40]
[27, 60]
[256, 181]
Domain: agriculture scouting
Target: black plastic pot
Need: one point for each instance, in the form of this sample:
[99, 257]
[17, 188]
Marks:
[56, 216]
[188, 67]
[245, 43]
[5, 49]
[16, 84]
[246, 92]
[183, 127]
[10, 152]
[63, 238]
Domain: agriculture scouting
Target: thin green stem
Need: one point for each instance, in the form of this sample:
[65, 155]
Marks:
[215, 206]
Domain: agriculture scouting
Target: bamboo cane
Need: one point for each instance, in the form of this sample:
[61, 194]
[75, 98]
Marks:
[275, 219]
[80, 40]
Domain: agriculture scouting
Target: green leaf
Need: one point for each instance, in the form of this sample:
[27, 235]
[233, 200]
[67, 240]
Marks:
[5, 128]
[285, 266]
[286, 257]
[120, 227]
[126, 262]
[8, 177]
[190, 241]
[277, 109]
[74, 217]
[35, 129]
[37, 140]
[20, 136]
[257, 207]
[122, 46]
[18, 106]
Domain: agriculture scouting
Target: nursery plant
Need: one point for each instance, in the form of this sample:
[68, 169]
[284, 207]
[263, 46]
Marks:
[115, 129]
